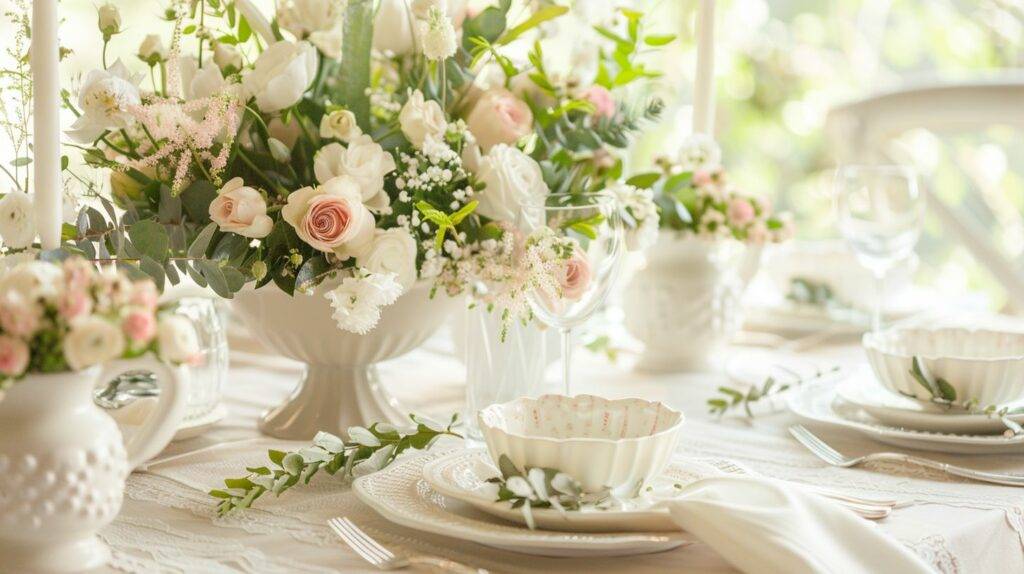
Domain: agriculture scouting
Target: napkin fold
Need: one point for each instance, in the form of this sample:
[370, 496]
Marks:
[763, 526]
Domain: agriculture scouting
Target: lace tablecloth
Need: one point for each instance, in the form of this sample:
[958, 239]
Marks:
[168, 523]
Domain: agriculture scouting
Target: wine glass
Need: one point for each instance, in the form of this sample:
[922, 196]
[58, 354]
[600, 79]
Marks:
[880, 212]
[592, 222]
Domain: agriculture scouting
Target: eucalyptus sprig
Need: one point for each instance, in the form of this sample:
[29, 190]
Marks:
[541, 488]
[942, 393]
[731, 398]
[368, 449]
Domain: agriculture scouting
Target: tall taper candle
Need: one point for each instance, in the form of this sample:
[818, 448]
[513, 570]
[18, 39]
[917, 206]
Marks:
[704, 81]
[46, 127]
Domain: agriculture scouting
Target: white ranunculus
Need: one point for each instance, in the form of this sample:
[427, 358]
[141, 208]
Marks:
[282, 73]
[152, 49]
[33, 280]
[393, 251]
[513, 179]
[104, 100]
[226, 57]
[340, 124]
[392, 28]
[93, 341]
[177, 341]
[17, 220]
[700, 153]
[421, 118]
[109, 19]
[364, 160]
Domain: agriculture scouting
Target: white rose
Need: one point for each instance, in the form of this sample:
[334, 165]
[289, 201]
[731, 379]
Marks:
[392, 28]
[226, 57]
[393, 251]
[421, 119]
[17, 220]
[339, 124]
[363, 160]
[513, 179]
[282, 73]
[33, 280]
[109, 20]
[152, 49]
[240, 209]
[177, 341]
[104, 100]
[93, 341]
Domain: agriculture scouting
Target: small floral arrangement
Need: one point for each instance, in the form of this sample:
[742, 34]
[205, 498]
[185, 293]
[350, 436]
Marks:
[368, 449]
[694, 196]
[348, 148]
[71, 316]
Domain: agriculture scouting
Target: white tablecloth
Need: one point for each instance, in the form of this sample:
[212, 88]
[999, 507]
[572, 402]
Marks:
[168, 523]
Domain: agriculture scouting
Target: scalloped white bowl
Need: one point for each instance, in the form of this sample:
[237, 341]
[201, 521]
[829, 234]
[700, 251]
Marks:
[983, 365]
[602, 443]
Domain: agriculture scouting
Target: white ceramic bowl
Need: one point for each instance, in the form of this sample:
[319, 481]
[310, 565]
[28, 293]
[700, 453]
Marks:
[984, 365]
[600, 442]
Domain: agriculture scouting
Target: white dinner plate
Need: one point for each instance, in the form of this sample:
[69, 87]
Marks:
[400, 494]
[863, 390]
[819, 403]
[462, 475]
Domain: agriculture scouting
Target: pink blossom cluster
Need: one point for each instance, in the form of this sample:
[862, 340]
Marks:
[719, 210]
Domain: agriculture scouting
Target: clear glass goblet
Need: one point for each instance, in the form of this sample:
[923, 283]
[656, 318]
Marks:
[880, 212]
[582, 283]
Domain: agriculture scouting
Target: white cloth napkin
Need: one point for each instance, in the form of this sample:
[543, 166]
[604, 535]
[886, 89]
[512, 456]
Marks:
[760, 526]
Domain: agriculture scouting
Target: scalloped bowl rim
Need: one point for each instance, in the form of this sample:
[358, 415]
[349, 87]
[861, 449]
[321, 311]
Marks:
[484, 425]
[872, 342]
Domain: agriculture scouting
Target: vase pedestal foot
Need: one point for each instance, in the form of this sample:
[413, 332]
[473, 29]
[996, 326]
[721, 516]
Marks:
[54, 556]
[332, 399]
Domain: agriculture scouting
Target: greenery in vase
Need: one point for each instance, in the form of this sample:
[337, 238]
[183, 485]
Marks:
[367, 450]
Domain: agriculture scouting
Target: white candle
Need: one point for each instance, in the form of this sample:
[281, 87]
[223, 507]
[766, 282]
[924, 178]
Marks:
[46, 122]
[704, 81]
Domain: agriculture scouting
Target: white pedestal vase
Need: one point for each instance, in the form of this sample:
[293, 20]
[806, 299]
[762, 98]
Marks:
[64, 464]
[340, 387]
[685, 303]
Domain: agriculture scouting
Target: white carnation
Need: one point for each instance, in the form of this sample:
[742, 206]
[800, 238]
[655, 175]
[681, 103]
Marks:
[17, 220]
[357, 300]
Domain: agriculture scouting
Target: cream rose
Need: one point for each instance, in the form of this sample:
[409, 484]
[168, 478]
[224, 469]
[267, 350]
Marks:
[92, 341]
[499, 117]
[176, 338]
[281, 75]
[574, 276]
[108, 20]
[331, 217]
[512, 179]
[421, 119]
[364, 160]
[242, 210]
[152, 50]
[340, 124]
[393, 251]
[17, 220]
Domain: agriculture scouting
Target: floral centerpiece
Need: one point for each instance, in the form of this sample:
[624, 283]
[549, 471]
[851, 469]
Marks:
[367, 146]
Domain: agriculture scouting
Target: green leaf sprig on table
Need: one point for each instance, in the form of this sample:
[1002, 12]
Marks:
[941, 392]
[368, 449]
[730, 398]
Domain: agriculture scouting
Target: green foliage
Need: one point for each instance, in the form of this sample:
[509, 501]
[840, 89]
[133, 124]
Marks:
[731, 398]
[355, 59]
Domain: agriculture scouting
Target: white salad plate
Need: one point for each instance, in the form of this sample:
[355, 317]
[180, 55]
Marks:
[462, 475]
[820, 403]
[863, 390]
[400, 494]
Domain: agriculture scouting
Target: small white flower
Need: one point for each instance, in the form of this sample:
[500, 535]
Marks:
[699, 152]
[357, 300]
[104, 100]
[17, 220]
[279, 151]
[109, 20]
[362, 436]
[438, 35]
[421, 8]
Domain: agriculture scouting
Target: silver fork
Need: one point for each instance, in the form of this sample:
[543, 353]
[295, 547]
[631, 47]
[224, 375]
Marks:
[382, 558]
[833, 457]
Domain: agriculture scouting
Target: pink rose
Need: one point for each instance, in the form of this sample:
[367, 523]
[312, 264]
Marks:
[332, 217]
[701, 178]
[499, 117]
[575, 276]
[14, 356]
[18, 316]
[145, 295]
[140, 326]
[601, 98]
[741, 212]
[74, 303]
[242, 210]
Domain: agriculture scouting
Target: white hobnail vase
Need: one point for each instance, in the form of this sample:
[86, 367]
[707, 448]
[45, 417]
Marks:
[684, 304]
[63, 464]
[340, 387]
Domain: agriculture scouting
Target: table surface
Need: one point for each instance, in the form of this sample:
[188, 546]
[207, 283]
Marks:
[169, 524]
